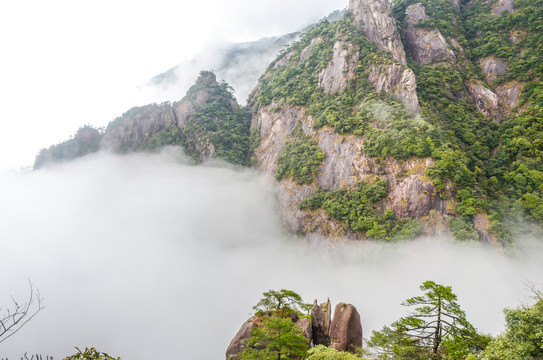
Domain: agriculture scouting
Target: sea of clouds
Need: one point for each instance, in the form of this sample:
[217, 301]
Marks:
[147, 256]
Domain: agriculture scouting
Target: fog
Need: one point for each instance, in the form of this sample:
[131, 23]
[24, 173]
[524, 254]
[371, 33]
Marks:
[149, 257]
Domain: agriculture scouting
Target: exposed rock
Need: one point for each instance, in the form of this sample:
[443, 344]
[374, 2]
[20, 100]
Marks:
[455, 44]
[183, 111]
[373, 17]
[305, 326]
[502, 6]
[137, 125]
[307, 51]
[493, 67]
[412, 194]
[342, 68]
[509, 95]
[456, 4]
[398, 80]
[346, 329]
[344, 164]
[284, 60]
[485, 100]
[239, 342]
[289, 195]
[425, 45]
[320, 323]
[274, 125]
[481, 223]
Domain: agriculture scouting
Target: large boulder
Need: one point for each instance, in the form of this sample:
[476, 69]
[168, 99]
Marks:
[304, 324]
[320, 323]
[346, 329]
[398, 80]
[342, 68]
[239, 342]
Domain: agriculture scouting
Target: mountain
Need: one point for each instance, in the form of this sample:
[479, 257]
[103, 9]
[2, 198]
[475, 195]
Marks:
[402, 118]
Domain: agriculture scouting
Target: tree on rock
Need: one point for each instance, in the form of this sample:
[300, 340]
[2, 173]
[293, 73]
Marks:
[277, 338]
[275, 300]
[437, 327]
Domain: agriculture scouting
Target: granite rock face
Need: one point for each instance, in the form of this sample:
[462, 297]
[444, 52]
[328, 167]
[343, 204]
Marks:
[502, 6]
[485, 100]
[342, 68]
[320, 323]
[509, 95]
[426, 45]
[239, 342]
[373, 17]
[493, 67]
[346, 329]
[137, 125]
[398, 80]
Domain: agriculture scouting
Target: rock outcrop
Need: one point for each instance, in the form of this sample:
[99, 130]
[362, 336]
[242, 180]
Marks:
[502, 6]
[485, 100]
[320, 323]
[137, 125]
[342, 68]
[239, 342]
[346, 329]
[304, 324]
[373, 17]
[509, 95]
[493, 67]
[426, 45]
[398, 80]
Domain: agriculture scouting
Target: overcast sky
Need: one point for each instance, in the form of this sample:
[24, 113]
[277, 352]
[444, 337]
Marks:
[65, 63]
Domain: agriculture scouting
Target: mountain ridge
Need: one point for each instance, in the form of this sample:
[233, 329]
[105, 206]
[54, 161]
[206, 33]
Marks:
[402, 118]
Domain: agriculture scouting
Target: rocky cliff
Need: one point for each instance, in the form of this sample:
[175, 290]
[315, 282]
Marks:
[401, 118]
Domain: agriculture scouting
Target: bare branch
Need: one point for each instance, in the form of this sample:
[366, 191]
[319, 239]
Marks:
[12, 320]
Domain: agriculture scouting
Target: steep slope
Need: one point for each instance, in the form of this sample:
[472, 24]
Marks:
[207, 122]
[389, 122]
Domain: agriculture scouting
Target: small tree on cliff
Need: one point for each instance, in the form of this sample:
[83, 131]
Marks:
[436, 326]
[276, 300]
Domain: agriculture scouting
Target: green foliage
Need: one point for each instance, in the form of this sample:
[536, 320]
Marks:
[523, 337]
[276, 338]
[358, 209]
[436, 327]
[300, 158]
[85, 141]
[169, 136]
[277, 300]
[90, 354]
[321, 352]
[219, 126]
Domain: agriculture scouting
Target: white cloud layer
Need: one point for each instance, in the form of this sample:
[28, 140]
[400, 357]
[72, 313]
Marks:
[148, 257]
[65, 64]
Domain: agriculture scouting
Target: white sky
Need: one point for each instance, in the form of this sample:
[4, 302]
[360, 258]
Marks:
[64, 63]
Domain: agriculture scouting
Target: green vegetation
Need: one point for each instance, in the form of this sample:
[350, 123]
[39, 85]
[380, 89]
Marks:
[523, 337]
[276, 335]
[300, 158]
[276, 338]
[436, 328]
[359, 210]
[85, 141]
[321, 352]
[169, 136]
[90, 354]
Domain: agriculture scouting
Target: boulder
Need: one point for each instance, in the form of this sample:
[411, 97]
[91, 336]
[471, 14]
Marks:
[304, 324]
[502, 6]
[239, 342]
[346, 329]
[320, 323]
[509, 95]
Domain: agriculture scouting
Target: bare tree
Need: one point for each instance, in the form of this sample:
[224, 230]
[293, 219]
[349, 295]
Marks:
[14, 318]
